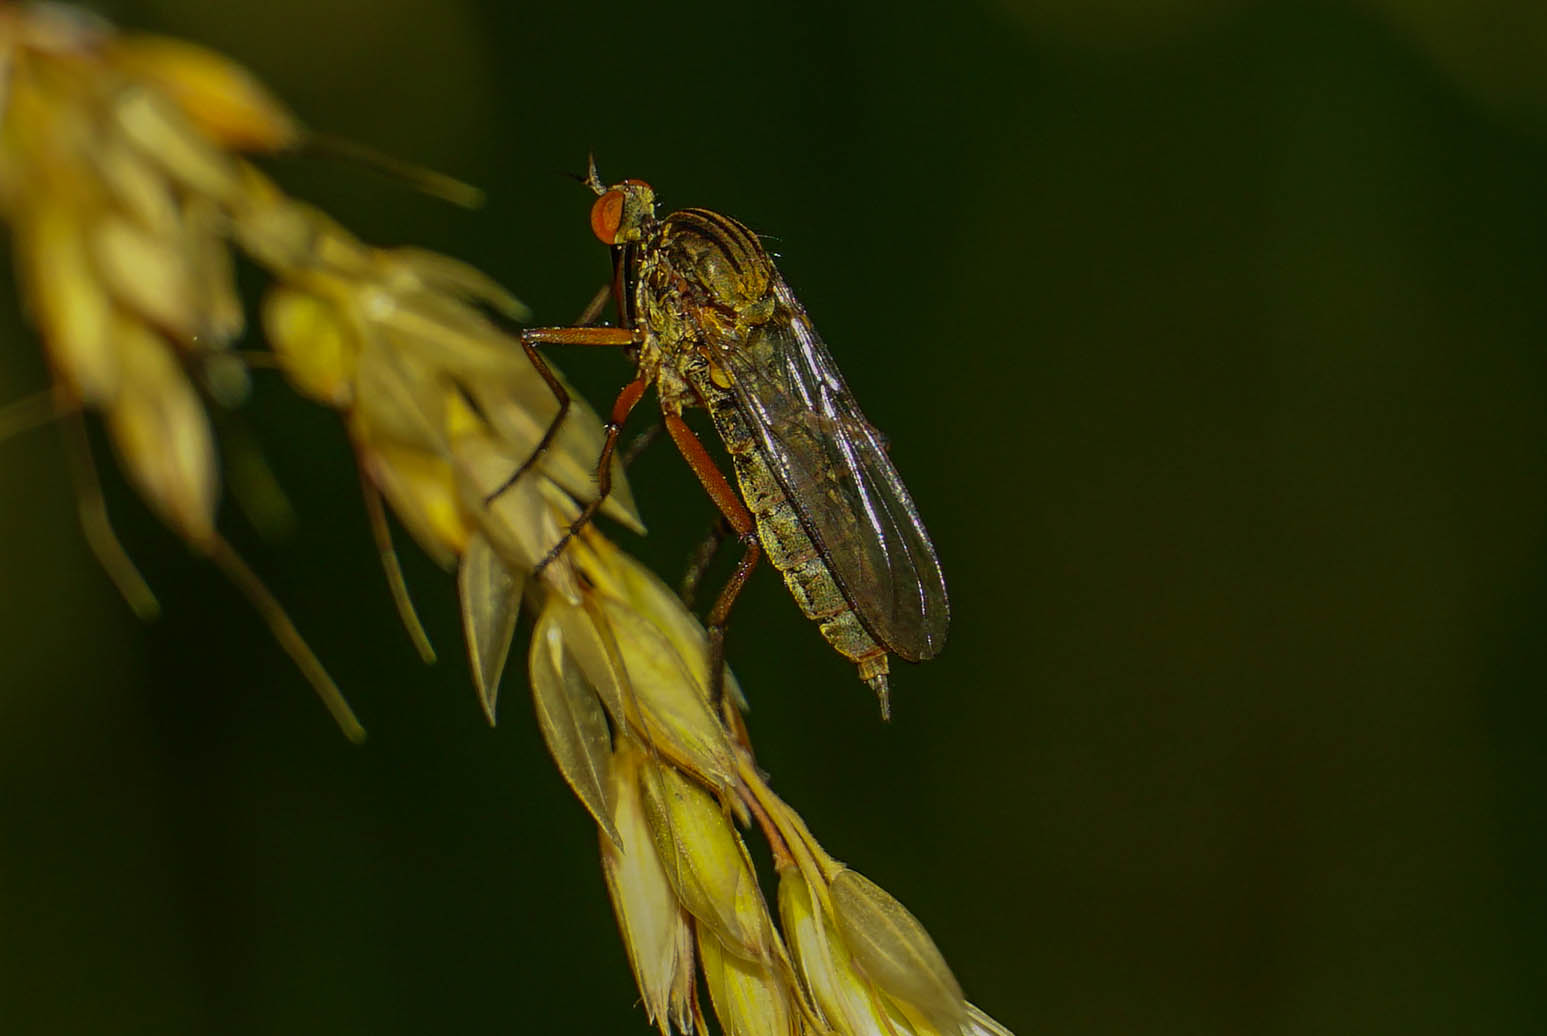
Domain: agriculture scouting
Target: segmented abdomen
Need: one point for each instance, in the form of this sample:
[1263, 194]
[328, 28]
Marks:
[786, 544]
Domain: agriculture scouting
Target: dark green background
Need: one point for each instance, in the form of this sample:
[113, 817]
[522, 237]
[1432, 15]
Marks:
[1212, 340]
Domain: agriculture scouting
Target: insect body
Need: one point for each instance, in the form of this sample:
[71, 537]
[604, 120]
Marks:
[711, 323]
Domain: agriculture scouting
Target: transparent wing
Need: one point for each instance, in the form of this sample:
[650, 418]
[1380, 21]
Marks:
[833, 466]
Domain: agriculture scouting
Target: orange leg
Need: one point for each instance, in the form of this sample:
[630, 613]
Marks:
[615, 336]
[604, 336]
[624, 405]
[740, 520]
[709, 476]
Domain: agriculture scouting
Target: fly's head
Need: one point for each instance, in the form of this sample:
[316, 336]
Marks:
[622, 211]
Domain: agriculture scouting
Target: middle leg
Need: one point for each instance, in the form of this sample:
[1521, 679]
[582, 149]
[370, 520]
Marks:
[740, 520]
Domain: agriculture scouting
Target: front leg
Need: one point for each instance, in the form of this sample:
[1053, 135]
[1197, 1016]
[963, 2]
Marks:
[615, 337]
[627, 399]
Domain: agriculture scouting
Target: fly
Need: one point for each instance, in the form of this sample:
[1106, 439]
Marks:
[710, 323]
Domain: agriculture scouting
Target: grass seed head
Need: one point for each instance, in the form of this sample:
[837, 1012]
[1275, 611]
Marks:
[847, 1001]
[706, 862]
[222, 99]
[657, 931]
[892, 949]
[750, 997]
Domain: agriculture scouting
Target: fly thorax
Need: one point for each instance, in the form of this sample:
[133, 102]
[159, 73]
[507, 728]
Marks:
[718, 276]
[727, 275]
[674, 390]
[758, 310]
[658, 315]
[648, 361]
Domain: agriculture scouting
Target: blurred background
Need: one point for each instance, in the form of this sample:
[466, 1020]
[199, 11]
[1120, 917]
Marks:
[1211, 337]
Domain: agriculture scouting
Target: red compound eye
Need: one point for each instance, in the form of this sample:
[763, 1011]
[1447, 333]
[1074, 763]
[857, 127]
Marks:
[607, 217]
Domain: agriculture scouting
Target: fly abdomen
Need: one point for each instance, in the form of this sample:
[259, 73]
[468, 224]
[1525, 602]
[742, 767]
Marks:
[811, 583]
[789, 549]
[784, 539]
[734, 430]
